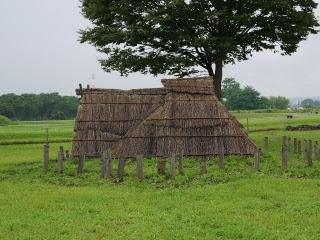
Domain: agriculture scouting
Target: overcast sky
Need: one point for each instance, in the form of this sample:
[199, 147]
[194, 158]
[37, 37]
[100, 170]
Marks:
[40, 52]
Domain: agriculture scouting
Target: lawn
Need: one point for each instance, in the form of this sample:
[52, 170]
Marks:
[233, 203]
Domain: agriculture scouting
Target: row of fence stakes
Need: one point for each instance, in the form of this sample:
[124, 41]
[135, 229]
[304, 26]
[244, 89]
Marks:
[297, 149]
[106, 159]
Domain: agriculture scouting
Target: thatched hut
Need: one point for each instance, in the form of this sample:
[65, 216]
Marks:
[185, 114]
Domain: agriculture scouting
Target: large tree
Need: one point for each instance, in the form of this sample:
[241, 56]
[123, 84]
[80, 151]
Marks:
[178, 37]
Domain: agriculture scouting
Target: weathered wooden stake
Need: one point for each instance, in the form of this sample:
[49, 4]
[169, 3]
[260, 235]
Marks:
[266, 143]
[46, 157]
[221, 156]
[172, 166]
[203, 167]
[82, 158]
[309, 157]
[317, 151]
[121, 165]
[295, 145]
[284, 152]
[47, 136]
[161, 166]
[305, 146]
[310, 148]
[106, 165]
[62, 153]
[299, 147]
[257, 160]
[314, 147]
[60, 162]
[180, 160]
[139, 167]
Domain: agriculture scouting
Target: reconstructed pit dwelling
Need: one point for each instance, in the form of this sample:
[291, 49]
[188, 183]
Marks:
[184, 114]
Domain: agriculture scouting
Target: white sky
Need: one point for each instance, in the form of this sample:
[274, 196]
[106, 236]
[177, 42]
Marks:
[40, 52]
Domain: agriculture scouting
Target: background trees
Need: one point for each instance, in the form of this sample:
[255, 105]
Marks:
[310, 103]
[38, 107]
[236, 98]
[178, 36]
[278, 102]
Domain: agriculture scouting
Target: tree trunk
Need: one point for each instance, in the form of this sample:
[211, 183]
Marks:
[218, 79]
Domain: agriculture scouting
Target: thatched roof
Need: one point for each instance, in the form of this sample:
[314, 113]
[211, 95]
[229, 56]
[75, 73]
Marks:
[184, 114]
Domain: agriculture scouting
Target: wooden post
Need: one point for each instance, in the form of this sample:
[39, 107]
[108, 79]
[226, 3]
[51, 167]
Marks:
[310, 148]
[284, 152]
[295, 145]
[257, 160]
[104, 160]
[82, 158]
[172, 166]
[309, 157]
[62, 153]
[221, 156]
[106, 165]
[67, 155]
[46, 157]
[248, 126]
[299, 148]
[289, 144]
[80, 88]
[305, 146]
[161, 166]
[314, 147]
[47, 136]
[121, 165]
[266, 143]
[180, 159]
[60, 162]
[139, 167]
[317, 151]
[203, 167]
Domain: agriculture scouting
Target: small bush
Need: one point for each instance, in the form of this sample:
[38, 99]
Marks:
[4, 121]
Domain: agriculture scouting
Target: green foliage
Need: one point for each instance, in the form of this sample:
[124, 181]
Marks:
[176, 37]
[4, 121]
[236, 98]
[38, 107]
[278, 102]
[310, 103]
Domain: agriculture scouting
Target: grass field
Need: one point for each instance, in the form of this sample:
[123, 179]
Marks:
[234, 203]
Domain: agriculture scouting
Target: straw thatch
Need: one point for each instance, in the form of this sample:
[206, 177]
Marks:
[105, 116]
[185, 114]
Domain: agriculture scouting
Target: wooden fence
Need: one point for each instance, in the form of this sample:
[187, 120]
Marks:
[311, 151]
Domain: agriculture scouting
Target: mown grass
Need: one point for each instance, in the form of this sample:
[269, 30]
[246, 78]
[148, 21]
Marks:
[234, 203]
[34, 132]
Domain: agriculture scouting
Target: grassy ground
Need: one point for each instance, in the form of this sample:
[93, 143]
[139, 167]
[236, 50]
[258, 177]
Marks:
[234, 203]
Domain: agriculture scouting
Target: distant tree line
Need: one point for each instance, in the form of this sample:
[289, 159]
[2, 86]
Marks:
[42, 106]
[310, 103]
[236, 98]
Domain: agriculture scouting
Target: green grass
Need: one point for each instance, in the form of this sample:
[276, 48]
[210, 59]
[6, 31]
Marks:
[34, 132]
[234, 203]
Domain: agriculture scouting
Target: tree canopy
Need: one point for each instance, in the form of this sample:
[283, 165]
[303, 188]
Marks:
[177, 37]
[42, 106]
[236, 98]
[278, 102]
